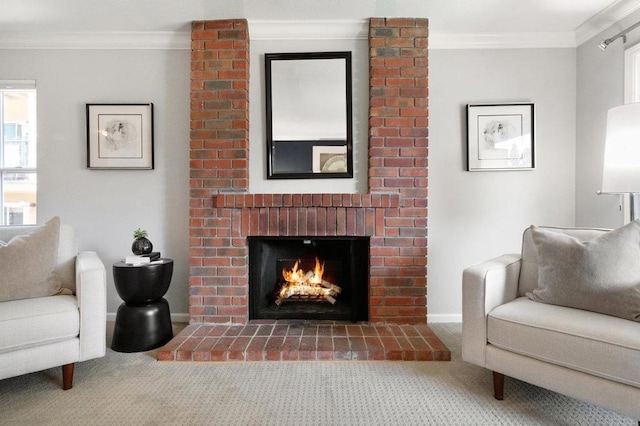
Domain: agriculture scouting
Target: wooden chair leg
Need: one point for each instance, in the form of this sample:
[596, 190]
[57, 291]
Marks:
[498, 386]
[67, 376]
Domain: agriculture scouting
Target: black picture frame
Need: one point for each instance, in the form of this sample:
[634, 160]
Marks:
[501, 136]
[308, 156]
[120, 136]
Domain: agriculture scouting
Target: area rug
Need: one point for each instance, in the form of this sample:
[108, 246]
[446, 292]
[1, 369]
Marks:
[136, 389]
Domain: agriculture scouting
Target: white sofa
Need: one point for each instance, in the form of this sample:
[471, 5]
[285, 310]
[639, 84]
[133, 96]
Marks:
[583, 354]
[39, 333]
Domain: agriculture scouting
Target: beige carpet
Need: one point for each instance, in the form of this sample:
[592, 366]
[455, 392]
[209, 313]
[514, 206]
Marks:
[135, 389]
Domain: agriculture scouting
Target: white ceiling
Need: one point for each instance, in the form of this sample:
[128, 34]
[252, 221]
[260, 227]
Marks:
[577, 20]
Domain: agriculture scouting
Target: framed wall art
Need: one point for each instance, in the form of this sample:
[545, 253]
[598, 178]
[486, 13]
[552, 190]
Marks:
[500, 136]
[120, 136]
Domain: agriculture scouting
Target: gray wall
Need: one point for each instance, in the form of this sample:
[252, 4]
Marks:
[472, 216]
[106, 206]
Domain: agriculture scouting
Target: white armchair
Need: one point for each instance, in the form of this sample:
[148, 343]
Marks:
[39, 333]
[586, 355]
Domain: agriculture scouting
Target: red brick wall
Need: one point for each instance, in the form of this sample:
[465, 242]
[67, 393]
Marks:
[393, 213]
[398, 153]
[219, 155]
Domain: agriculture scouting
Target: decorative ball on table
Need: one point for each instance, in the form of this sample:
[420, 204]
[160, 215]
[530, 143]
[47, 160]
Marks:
[141, 244]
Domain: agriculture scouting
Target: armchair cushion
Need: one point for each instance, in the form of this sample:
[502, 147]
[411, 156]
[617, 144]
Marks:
[573, 338]
[27, 263]
[28, 323]
[600, 275]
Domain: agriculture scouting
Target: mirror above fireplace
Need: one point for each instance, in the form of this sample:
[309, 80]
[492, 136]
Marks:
[309, 115]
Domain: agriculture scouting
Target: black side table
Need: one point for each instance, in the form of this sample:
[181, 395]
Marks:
[143, 321]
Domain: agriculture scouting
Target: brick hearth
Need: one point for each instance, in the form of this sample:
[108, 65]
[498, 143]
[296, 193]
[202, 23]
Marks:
[305, 341]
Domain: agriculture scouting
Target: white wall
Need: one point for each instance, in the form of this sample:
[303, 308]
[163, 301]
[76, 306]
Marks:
[600, 87]
[106, 206]
[474, 216]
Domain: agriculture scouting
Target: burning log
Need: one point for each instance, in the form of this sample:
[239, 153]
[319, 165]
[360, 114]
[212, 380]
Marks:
[307, 286]
[330, 299]
[308, 292]
[327, 284]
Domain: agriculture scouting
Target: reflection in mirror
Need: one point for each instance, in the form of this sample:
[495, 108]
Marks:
[321, 112]
[309, 118]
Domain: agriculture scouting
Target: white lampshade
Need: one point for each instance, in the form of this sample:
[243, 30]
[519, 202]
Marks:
[621, 172]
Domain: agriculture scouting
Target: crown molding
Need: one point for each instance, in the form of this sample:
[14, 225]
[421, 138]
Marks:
[503, 40]
[258, 30]
[309, 30]
[96, 40]
[281, 30]
[605, 19]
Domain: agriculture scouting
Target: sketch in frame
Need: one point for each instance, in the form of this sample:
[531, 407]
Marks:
[329, 159]
[120, 136]
[500, 137]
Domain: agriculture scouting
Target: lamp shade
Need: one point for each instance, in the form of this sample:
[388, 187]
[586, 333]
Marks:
[621, 172]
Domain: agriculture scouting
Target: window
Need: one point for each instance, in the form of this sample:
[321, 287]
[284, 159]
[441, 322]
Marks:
[18, 175]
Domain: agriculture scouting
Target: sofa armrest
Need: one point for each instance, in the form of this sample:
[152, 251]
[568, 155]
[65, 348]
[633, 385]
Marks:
[91, 291]
[485, 286]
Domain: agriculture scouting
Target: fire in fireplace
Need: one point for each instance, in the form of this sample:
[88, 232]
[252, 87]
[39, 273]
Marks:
[309, 286]
[308, 278]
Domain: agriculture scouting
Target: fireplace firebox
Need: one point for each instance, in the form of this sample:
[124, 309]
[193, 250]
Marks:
[315, 278]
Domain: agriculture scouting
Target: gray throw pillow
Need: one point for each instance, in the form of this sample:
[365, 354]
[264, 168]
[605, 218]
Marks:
[27, 262]
[600, 275]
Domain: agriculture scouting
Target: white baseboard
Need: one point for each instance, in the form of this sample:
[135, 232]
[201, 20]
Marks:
[434, 318]
[180, 318]
[111, 316]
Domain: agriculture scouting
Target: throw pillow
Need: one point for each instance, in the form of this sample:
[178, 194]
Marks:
[600, 275]
[27, 263]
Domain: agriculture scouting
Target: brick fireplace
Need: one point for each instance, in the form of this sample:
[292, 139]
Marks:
[393, 213]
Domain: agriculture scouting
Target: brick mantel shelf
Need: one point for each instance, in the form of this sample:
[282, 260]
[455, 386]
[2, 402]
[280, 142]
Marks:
[306, 200]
